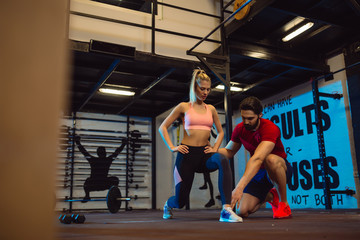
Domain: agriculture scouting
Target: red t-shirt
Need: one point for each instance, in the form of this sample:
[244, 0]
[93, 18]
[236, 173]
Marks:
[267, 131]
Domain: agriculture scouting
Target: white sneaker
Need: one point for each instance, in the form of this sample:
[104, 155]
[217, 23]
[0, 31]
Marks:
[227, 215]
[167, 212]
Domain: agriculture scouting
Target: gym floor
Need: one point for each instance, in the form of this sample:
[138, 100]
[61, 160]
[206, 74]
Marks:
[203, 224]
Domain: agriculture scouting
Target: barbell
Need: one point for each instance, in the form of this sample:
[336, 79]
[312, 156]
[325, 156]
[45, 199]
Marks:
[113, 199]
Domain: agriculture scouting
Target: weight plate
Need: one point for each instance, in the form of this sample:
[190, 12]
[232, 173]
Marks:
[243, 12]
[111, 199]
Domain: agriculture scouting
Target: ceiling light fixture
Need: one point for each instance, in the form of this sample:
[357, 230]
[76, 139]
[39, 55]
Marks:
[296, 21]
[116, 91]
[232, 88]
[298, 32]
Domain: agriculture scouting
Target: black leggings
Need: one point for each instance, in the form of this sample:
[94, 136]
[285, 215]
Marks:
[197, 161]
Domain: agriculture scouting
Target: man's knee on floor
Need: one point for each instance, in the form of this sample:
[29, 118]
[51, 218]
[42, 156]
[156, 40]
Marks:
[242, 210]
[244, 213]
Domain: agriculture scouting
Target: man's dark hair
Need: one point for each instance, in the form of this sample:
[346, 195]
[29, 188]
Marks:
[251, 103]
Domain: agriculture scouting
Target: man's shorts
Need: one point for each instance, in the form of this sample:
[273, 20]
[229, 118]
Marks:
[260, 185]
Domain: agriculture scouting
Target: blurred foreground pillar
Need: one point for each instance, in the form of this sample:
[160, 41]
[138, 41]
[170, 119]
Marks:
[33, 76]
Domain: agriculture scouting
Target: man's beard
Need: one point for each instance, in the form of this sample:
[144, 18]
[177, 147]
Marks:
[252, 127]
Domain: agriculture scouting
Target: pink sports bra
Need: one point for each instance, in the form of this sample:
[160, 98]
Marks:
[194, 120]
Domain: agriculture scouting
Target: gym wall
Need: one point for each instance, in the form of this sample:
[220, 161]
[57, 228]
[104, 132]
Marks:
[132, 167]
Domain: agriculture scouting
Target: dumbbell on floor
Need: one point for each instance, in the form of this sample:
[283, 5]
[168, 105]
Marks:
[65, 218]
[69, 218]
[78, 218]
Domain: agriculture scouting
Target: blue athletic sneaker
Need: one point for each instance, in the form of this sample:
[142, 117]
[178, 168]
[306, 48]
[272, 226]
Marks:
[227, 215]
[167, 212]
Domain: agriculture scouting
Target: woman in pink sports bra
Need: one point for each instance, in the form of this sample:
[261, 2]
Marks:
[194, 154]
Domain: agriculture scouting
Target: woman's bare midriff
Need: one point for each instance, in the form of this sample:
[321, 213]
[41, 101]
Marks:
[196, 137]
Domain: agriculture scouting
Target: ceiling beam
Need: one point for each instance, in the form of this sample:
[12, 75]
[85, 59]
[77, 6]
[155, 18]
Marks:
[314, 17]
[262, 81]
[144, 91]
[165, 60]
[253, 51]
[267, 79]
[101, 81]
[238, 71]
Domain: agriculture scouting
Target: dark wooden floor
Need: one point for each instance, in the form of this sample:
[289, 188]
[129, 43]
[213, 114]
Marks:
[204, 224]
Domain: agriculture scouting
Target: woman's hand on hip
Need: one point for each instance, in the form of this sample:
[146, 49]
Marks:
[210, 149]
[181, 148]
